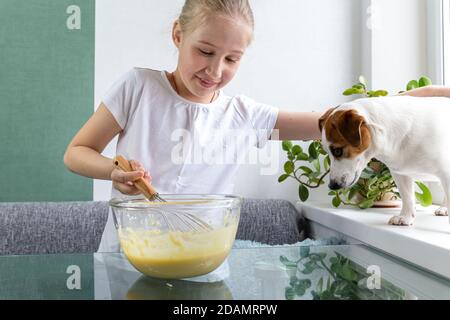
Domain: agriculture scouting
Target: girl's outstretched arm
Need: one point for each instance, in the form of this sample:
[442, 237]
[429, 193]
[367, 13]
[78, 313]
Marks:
[297, 126]
[428, 91]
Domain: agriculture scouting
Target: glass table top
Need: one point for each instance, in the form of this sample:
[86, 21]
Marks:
[258, 273]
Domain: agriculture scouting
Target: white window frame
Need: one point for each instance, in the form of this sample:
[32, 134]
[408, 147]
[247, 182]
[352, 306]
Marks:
[438, 44]
[446, 41]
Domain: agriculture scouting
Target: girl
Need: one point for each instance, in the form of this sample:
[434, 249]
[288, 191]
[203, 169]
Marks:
[149, 109]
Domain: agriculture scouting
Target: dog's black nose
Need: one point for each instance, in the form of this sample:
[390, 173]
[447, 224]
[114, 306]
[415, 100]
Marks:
[333, 185]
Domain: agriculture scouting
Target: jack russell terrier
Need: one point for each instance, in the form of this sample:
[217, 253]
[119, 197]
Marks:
[408, 134]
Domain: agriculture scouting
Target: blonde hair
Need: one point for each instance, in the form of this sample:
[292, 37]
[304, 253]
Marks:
[194, 12]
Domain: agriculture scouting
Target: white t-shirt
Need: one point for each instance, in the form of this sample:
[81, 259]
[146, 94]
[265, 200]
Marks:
[187, 147]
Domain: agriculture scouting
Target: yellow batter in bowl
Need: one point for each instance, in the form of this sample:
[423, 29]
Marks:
[176, 254]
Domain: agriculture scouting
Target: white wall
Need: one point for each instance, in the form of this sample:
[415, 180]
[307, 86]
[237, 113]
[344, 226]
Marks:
[305, 53]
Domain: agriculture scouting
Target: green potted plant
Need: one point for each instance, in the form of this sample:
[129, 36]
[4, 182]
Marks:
[375, 187]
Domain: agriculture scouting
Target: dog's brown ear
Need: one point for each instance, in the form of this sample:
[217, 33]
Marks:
[349, 125]
[324, 117]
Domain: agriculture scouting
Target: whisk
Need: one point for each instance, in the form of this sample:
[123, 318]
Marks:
[175, 220]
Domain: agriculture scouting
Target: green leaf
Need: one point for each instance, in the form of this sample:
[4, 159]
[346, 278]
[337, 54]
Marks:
[317, 144]
[379, 93]
[358, 86]
[328, 283]
[319, 286]
[306, 169]
[371, 183]
[425, 81]
[286, 145]
[320, 148]
[289, 167]
[352, 91]
[326, 163]
[313, 151]
[425, 198]
[308, 270]
[363, 81]
[304, 251]
[287, 262]
[303, 192]
[289, 293]
[296, 150]
[315, 295]
[306, 283]
[299, 290]
[373, 193]
[332, 193]
[349, 92]
[366, 203]
[302, 156]
[283, 177]
[316, 164]
[348, 273]
[283, 259]
[413, 84]
[336, 202]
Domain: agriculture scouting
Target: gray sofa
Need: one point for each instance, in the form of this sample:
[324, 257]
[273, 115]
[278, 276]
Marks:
[69, 227]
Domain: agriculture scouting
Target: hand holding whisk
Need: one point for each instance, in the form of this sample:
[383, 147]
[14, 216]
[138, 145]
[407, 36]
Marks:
[141, 184]
[177, 221]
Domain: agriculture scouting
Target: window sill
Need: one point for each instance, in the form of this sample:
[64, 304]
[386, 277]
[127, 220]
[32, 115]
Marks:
[425, 244]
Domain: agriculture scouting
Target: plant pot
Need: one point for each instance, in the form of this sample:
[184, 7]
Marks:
[388, 201]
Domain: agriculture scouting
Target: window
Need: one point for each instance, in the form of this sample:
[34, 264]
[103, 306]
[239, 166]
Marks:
[446, 41]
[438, 43]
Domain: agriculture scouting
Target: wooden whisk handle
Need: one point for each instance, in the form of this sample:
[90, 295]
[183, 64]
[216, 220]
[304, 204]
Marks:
[143, 185]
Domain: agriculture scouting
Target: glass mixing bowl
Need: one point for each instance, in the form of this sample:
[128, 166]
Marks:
[187, 236]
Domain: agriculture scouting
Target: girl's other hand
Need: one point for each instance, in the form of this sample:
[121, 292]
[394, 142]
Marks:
[124, 181]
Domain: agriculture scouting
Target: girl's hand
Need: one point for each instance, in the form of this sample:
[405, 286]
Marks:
[124, 181]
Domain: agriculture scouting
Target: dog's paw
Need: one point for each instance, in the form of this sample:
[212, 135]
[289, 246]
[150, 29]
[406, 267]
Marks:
[401, 220]
[441, 211]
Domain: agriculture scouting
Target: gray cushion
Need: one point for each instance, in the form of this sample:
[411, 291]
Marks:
[51, 227]
[68, 227]
[270, 221]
